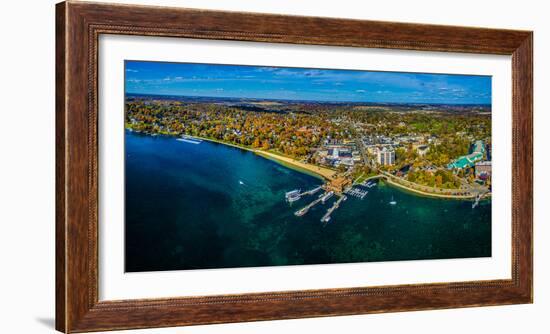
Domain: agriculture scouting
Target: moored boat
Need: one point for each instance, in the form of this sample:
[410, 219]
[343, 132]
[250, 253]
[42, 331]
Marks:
[293, 195]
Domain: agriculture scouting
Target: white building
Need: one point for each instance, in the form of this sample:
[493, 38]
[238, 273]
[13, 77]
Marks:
[386, 156]
[422, 150]
[483, 168]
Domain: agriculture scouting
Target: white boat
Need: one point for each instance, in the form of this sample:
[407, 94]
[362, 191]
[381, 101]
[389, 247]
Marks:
[293, 198]
[293, 195]
[292, 192]
[327, 196]
[392, 202]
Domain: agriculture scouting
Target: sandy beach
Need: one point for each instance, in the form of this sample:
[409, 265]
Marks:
[324, 172]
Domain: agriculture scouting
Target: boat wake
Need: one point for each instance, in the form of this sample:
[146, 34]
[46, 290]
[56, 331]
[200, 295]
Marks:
[189, 139]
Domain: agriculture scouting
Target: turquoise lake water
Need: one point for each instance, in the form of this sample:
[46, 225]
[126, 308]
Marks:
[209, 205]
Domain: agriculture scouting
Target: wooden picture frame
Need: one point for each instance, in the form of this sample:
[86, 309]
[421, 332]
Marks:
[78, 26]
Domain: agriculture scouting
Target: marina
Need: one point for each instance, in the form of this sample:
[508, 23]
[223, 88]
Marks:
[294, 195]
[357, 192]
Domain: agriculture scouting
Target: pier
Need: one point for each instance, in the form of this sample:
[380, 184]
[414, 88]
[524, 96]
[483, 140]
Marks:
[338, 186]
[312, 191]
[306, 208]
[326, 218]
[476, 202]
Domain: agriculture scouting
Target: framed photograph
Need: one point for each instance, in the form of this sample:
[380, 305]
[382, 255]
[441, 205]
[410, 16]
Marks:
[223, 167]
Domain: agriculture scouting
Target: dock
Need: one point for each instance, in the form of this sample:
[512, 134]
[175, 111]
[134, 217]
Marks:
[323, 198]
[327, 196]
[296, 194]
[476, 202]
[359, 193]
[368, 184]
[306, 208]
[312, 191]
[326, 218]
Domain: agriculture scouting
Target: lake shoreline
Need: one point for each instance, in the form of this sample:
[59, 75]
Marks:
[318, 172]
[313, 170]
[430, 195]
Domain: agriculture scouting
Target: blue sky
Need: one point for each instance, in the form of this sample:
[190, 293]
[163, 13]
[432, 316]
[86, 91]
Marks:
[215, 80]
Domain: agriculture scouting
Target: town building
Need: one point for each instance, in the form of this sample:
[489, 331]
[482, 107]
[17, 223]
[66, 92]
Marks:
[339, 184]
[386, 156]
[483, 169]
[422, 150]
[467, 161]
[336, 155]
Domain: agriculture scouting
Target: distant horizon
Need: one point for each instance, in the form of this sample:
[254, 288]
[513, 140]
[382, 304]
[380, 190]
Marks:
[304, 100]
[303, 84]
